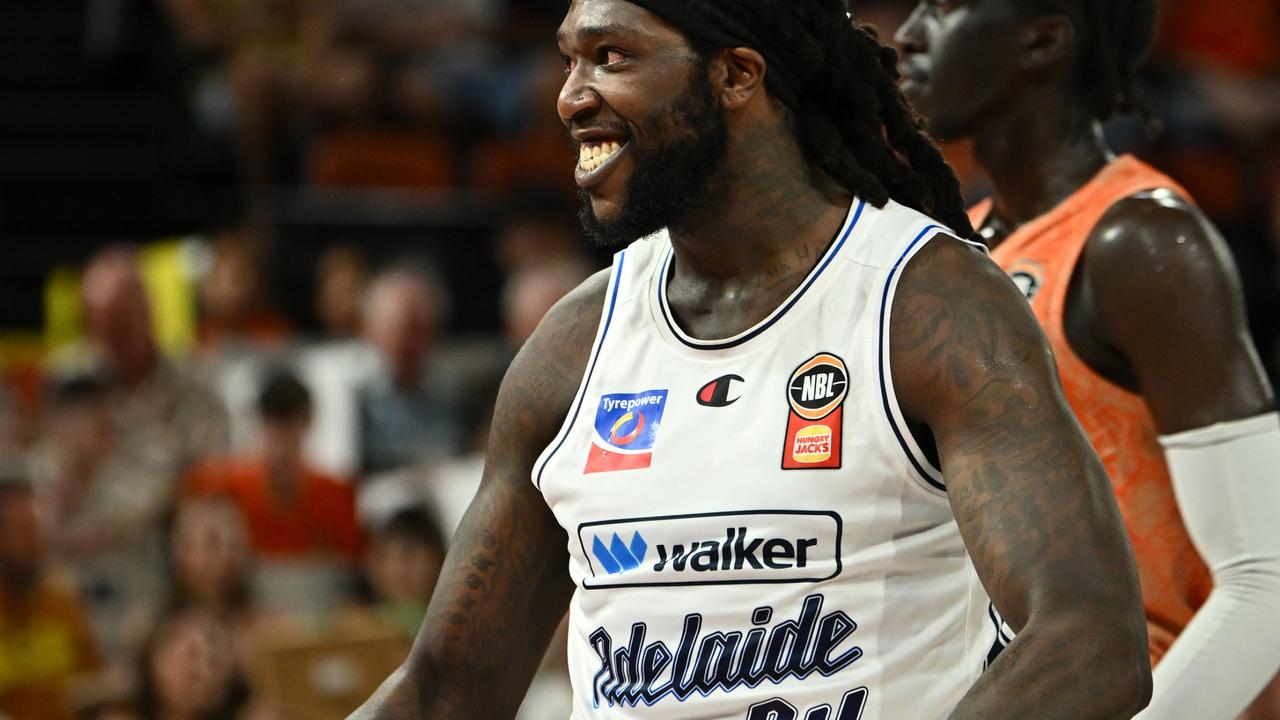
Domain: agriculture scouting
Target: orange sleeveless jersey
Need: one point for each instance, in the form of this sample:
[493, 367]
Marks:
[1040, 257]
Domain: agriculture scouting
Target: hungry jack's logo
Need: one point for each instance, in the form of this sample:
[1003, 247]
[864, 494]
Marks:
[816, 393]
[626, 428]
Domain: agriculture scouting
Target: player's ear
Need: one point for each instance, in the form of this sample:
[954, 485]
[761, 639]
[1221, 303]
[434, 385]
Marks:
[1047, 41]
[738, 76]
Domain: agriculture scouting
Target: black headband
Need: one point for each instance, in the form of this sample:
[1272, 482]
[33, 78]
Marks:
[730, 25]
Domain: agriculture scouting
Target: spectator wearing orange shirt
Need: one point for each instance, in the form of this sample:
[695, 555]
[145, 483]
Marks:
[45, 639]
[292, 511]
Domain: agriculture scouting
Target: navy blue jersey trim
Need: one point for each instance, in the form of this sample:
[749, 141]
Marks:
[775, 316]
[884, 390]
[595, 355]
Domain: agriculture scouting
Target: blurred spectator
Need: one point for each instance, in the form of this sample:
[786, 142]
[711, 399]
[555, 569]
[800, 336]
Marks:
[389, 79]
[187, 671]
[540, 153]
[241, 334]
[538, 225]
[236, 301]
[168, 418]
[78, 441]
[162, 421]
[211, 568]
[402, 565]
[292, 511]
[407, 407]
[45, 640]
[259, 56]
[211, 561]
[20, 406]
[531, 292]
[341, 275]
[336, 365]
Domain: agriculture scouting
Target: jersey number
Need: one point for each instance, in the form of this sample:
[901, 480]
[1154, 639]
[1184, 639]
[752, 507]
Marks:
[779, 709]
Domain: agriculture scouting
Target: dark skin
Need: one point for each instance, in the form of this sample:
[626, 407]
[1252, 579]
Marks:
[969, 364]
[1129, 314]
[1155, 303]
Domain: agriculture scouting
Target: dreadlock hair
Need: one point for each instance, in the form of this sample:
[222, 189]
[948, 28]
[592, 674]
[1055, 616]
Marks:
[1115, 37]
[850, 116]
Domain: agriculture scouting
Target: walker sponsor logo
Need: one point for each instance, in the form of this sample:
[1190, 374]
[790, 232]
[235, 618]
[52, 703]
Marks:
[636, 669]
[816, 393]
[747, 547]
[626, 429]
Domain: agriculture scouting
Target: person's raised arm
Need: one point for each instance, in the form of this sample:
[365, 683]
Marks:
[1031, 498]
[1167, 298]
[505, 584]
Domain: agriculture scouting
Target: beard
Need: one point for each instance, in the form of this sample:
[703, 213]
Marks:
[668, 184]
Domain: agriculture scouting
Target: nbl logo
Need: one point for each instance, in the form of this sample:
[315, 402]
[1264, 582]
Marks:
[818, 387]
[815, 392]
[1028, 275]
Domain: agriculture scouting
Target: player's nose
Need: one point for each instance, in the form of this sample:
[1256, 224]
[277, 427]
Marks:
[577, 97]
[910, 36]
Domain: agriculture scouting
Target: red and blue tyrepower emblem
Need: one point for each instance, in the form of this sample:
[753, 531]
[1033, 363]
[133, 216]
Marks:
[626, 429]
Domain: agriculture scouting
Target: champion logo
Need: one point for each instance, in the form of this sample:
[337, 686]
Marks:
[720, 392]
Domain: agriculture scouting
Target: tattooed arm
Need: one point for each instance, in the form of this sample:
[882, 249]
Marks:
[504, 586]
[1032, 500]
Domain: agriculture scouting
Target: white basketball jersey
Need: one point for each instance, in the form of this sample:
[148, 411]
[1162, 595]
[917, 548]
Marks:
[752, 531]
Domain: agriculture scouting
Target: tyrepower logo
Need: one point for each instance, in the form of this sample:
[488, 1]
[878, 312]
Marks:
[626, 429]
[745, 547]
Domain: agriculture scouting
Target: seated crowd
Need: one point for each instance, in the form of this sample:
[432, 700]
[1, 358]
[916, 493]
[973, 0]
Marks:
[252, 531]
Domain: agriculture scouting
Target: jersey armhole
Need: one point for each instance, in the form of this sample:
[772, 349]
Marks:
[922, 470]
[606, 319]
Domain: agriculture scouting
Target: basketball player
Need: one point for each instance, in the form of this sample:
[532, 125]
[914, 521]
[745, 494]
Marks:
[1138, 297]
[726, 437]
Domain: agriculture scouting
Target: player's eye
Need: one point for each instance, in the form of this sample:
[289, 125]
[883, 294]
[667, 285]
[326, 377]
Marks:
[568, 63]
[610, 56]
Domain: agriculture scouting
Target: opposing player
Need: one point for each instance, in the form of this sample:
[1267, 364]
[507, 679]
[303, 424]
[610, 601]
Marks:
[1138, 296]
[726, 437]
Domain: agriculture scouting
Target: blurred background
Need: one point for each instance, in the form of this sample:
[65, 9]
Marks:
[262, 265]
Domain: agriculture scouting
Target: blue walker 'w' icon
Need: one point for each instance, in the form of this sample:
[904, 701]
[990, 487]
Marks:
[618, 557]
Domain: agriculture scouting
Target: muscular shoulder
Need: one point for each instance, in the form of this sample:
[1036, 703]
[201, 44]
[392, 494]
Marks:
[544, 376]
[956, 317]
[1162, 282]
[1154, 246]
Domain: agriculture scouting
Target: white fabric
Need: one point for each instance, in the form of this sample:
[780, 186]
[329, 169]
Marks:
[1228, 491]
[866, 552]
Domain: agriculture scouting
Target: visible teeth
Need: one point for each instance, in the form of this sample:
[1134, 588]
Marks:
[592, 156]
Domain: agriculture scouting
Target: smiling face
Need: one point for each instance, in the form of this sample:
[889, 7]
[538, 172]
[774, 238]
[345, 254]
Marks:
[960, 62]
[638, 103]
